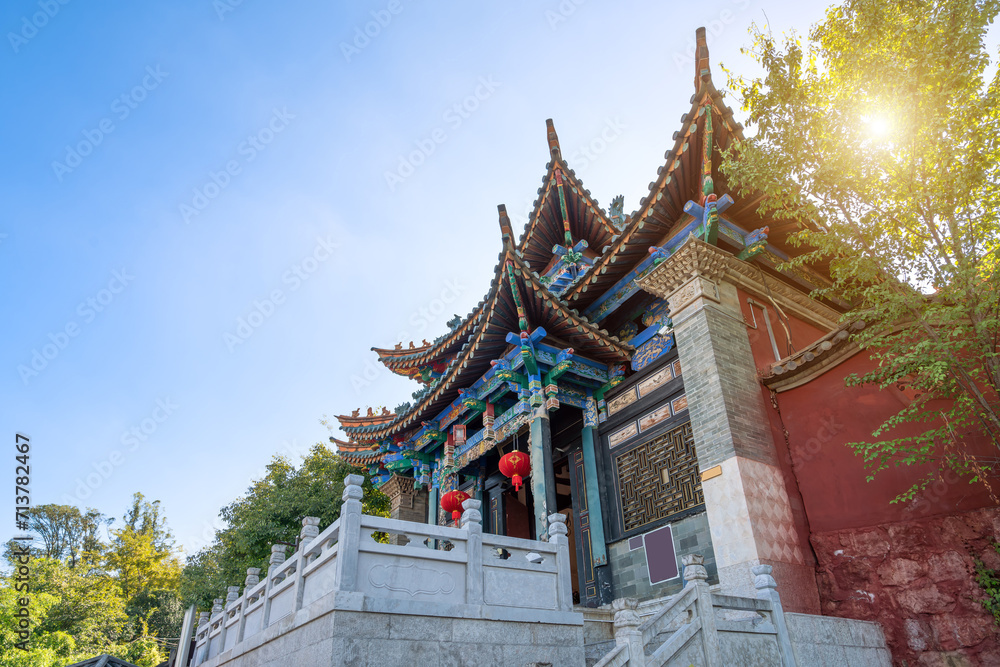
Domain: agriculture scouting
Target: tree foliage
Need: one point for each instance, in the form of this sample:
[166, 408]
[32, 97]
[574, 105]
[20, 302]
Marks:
[989, 581]
[879, 138]
[89, 596]
[64, 532]
[270, 512]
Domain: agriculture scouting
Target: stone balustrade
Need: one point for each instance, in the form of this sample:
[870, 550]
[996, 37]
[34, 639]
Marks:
[427, 570]
[700, 627]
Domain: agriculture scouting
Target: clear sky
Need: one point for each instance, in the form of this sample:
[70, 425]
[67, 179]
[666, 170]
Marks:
[212, 210]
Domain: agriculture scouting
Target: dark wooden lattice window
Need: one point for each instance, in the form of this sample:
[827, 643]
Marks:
[659, 478]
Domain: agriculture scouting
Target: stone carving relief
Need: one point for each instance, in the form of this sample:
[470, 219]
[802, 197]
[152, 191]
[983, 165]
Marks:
[411, 579]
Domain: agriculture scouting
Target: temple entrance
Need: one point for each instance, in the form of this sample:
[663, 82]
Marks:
[509, 512]
[518, 514]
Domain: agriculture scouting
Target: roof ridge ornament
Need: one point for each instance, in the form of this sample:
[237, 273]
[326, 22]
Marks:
[707, 183]
[550, 129]
[505, 228]
[616, 212]
[702, 68]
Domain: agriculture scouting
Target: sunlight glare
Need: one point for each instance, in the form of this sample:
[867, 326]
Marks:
[879, 126]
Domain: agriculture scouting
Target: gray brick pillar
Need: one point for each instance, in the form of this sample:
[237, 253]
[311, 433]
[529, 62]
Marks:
[749, 512]
[406, 503]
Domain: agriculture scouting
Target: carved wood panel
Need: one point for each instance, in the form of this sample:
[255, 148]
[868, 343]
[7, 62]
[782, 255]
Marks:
[659, 478]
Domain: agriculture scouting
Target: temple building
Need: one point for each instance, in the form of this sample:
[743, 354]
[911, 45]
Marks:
[672, 392]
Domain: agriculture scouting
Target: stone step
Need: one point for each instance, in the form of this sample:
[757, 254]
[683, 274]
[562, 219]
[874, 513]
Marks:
[656, 642]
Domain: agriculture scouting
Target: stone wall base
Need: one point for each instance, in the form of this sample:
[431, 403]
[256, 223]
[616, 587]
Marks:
[916, 578]
[360, 638]
[796, 583]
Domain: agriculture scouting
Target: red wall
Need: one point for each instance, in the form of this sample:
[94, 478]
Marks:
[907, 565]
[822, 416]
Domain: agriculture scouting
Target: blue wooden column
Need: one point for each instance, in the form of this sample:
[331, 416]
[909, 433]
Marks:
[543, 478]
[598, 546]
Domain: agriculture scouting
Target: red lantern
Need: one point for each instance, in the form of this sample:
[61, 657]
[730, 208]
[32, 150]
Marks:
[515, 465]
[452, 502]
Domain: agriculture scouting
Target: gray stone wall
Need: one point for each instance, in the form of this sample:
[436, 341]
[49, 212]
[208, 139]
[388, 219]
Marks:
[828, 640]
[361, 639]
[630, 573]
[724, 398]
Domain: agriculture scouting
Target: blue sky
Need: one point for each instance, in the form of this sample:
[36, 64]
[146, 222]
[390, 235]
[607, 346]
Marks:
[174, 168]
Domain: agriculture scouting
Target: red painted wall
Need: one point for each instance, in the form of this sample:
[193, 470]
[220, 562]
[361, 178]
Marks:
[907, 565]
[822, 416]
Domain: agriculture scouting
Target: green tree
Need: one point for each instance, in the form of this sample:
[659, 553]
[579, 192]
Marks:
[137, 566]
[89, 605]
[881, 132]
[142, 561]
[65, 533]
[160, 610]
[146, 518]
[271, 511]
[90, 597]
[75, 612]
[41, 653]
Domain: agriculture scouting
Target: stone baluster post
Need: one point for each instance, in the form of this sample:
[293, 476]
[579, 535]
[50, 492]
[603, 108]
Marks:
[277, 558]
[626, 624]
[216, 615]
[350, 534]
[558, 536]
[201, 643]
[696, 576]
[310, 529]
[472, 523]
[767, 589]
[232, 595]
[253, 578]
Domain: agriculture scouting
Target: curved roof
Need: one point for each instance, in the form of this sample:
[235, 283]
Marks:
[498, 317]
[584, 217]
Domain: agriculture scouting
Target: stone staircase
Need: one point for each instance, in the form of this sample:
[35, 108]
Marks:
[699, 627]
